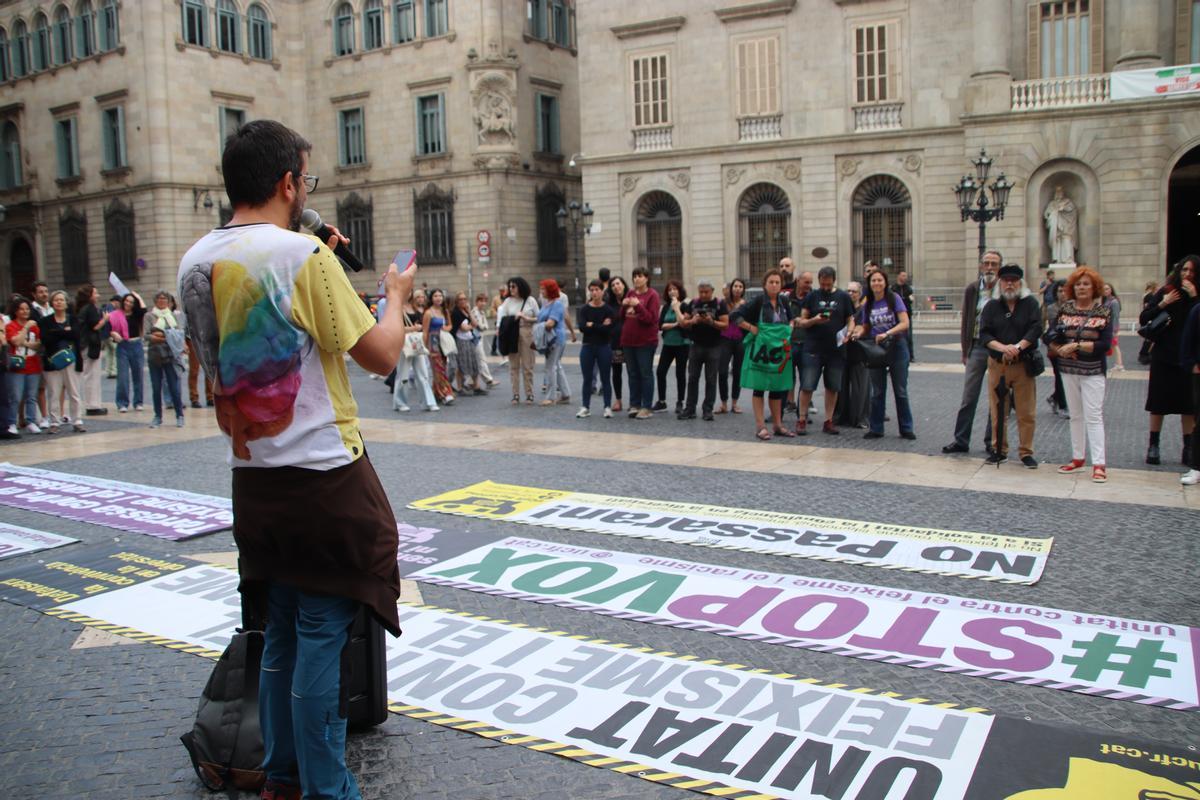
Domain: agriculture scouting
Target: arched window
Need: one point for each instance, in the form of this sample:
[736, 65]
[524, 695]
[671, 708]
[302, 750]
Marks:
[62, 35]
[356, 218]
[20, 53]
[434, 213]
[109, 26]
[41, 42]
[227, 27]
[10, 156]
[882, 231]
[72, 238]
[551, 239]
[259, 30]
[764, 225]
[195, 23]
[5, 63]
[660, 237]
[118, 239]
[85, 29]
[343, 30]
[373, 25]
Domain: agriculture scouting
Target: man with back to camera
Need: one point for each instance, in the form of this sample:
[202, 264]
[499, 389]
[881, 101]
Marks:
[271, 312]
[974, 354]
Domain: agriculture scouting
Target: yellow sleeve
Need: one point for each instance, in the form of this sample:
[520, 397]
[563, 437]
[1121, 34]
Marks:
[325, 304]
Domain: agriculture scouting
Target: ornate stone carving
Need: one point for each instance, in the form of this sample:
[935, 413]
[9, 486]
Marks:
[848, 166]
[733, 175]
[629, 183]
[493, 110]
[790, 170]
[681, 179]
[912, 163]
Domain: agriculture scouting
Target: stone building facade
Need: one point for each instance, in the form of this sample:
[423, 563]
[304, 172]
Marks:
[721, 135]
[431, 120]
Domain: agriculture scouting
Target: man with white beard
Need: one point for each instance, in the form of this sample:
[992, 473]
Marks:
[974, 354]
[1009, 327]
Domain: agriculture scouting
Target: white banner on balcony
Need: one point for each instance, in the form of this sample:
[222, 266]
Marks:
[1169, 82]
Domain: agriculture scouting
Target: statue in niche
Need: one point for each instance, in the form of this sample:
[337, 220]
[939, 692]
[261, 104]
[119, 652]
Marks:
[1062, 225]
[493, 115]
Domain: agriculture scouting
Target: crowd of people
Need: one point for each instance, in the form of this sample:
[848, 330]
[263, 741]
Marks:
[783, 339]
[57, 348]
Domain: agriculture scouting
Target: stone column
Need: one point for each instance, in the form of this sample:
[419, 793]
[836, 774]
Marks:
[1139, 35]
[987, 91]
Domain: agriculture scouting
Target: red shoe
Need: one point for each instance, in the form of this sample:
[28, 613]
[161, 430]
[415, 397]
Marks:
[1075, 466]
[280, 791]
[1099, 474]
[802, 427]
[830, 428]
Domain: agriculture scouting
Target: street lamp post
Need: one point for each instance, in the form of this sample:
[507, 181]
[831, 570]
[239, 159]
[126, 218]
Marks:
[580, 219]
[972, 196]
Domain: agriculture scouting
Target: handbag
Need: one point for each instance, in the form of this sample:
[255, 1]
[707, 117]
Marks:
[1035, 362]
[446, 343]
[15, 363]
[1153, 330]
[873, 354]
[414, 345]
[63, 358]
[508, 335]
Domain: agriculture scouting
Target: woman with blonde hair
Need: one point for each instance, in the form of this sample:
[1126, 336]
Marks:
[1080, 339]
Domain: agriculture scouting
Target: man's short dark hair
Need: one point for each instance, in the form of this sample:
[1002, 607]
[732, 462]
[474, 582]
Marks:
[256, 156]
[604, 274]
[827, 272]
[40, 283]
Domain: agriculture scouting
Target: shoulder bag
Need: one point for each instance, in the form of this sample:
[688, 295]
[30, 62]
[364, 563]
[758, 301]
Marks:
[1155, 328]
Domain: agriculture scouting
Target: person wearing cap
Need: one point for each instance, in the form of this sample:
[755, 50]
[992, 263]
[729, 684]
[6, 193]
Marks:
[1009, 327]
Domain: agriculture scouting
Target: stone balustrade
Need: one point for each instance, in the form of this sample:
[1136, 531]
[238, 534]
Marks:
[1065, 92]
[648, 139]
[878, 117]
[759, 129]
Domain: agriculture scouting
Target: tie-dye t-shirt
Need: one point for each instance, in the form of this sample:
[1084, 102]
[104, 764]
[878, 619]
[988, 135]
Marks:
[286, 313]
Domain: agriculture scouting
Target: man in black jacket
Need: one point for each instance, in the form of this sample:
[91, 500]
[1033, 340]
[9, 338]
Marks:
[1010, 327]
[974, 355]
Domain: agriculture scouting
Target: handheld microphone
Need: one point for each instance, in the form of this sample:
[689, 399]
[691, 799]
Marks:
[312, 220]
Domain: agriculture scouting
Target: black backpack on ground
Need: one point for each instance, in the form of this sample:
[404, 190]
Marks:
[226, 742]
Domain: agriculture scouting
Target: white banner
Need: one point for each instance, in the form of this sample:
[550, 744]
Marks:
[15, 540]
[686, 722]
[995, 557]
[1137, 84]
[1124, 659]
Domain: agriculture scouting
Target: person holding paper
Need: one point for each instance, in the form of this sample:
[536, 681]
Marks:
[828, 314]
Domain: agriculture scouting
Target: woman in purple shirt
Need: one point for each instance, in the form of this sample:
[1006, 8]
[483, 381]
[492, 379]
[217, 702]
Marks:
[884, 318]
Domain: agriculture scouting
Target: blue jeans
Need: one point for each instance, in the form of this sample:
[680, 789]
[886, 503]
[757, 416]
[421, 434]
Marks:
[157, 374]
[555, 377]
[595, 358]
[897, 365]
[131, 359]
[303, 734]
[22, 388]
[640, 363]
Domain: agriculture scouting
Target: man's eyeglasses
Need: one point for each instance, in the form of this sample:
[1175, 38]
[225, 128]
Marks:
[310, 182]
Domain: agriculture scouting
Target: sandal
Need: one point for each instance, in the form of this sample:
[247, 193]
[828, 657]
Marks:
[784, 432]
[516, 401]
[735, 409]
[763, 434]
[1099, 474]
[720, 409]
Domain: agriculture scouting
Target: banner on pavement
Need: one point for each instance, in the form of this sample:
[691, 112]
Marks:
[81, 572]
[1125, 659]
[684, 721]
[162, 513]
[16, 540]
[1010, 559]
[1138, 84]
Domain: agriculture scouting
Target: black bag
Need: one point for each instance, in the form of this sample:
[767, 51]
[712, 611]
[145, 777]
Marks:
[159, 354]
[508, 335]
[364, 673]
[226, 742]
[871, 353]
[1035, 362]
[1154, 329]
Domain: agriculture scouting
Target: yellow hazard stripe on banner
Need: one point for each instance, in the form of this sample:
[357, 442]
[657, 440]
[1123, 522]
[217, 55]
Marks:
[506, 736]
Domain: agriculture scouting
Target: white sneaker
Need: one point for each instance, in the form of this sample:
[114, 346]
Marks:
[1191, 478]
[608, 413]
[44, 422]
[13, 430]
[33, 428]
[583, 412]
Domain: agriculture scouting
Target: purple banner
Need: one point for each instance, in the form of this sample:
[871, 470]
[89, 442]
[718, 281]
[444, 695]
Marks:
[162, 513]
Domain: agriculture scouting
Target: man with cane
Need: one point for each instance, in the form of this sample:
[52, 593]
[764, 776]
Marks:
[1009, 327]
[270, 312]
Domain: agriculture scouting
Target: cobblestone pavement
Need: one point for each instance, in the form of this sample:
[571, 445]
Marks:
[103, 722]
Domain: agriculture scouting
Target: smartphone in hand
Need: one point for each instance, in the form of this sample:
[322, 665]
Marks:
[403, 260]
